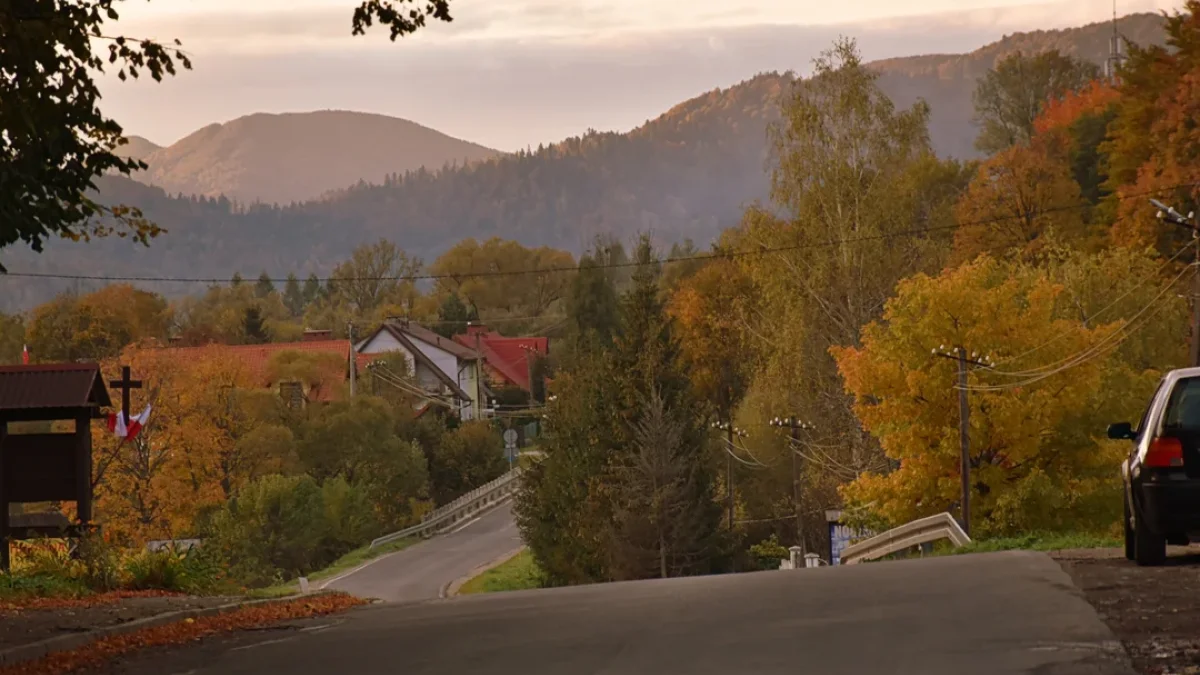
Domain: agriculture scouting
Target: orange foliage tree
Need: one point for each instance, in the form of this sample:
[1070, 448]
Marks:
[1019, 195]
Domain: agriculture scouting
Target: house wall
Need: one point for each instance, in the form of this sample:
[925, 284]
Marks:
[462, 372]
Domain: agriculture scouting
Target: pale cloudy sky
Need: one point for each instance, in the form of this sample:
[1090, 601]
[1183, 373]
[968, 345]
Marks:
[511, 73]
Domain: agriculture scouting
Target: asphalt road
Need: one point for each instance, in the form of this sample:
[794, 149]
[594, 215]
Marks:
[422, 571]
[994, 614]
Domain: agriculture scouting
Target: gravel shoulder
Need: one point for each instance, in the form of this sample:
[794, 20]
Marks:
[1153, 611]
[24, 626]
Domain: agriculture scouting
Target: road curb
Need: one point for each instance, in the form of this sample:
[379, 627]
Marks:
[451, 589]
[64, 643]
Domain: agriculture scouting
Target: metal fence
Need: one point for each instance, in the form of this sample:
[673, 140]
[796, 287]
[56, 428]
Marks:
[466, 506]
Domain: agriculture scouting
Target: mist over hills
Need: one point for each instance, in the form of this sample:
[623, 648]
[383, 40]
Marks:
[687, 173]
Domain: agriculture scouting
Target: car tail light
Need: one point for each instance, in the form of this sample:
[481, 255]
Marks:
[1165, 453]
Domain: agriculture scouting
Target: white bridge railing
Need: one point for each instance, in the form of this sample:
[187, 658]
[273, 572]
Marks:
[466, 506]
[922, 531]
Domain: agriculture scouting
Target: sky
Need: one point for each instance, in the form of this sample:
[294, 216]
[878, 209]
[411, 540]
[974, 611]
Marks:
[513, 73]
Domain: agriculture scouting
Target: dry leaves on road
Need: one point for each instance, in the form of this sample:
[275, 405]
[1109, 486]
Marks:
[101, 651]
[93, 600]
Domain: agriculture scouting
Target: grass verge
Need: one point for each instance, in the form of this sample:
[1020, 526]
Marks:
[518, 574]
[1046, 541]
[343, 564]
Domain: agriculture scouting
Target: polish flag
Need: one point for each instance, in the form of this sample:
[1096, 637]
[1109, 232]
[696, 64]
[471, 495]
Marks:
[116, 424]
[25, 354]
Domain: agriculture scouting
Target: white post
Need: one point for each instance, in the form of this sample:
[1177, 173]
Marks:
[796, 553]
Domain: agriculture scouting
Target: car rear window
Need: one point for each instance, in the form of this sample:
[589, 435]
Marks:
[1183, 408]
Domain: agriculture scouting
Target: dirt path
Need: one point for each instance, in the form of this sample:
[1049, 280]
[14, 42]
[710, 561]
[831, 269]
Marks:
[1154, 611]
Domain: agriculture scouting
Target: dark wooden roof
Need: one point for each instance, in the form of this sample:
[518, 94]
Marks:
[55, 385]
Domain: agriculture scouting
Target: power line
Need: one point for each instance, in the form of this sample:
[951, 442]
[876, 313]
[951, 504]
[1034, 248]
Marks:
[762, 250]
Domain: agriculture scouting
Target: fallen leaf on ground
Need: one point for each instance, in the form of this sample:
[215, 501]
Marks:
[110, 598]
[106, 649]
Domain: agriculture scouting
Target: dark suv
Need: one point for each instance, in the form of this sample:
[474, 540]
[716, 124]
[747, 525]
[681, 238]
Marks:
[1161, 475]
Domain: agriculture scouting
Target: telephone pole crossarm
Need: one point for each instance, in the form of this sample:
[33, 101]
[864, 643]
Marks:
[795, 426]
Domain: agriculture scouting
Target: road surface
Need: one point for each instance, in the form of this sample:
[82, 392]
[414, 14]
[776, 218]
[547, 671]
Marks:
[422, 571]
[994, 614]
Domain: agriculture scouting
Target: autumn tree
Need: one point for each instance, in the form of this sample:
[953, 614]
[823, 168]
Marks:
[466, 458]
[1019, 195]
[293, 297]
[96, 326]
[1011, 96]
[710, 311]
[1152, 140]
[859, 201]
[1069, 360]
[504, 276]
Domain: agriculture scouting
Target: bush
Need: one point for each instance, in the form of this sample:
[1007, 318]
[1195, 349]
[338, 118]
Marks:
[468, 457]
[281, 527]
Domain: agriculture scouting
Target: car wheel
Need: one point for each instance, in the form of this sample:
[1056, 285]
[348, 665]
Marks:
[1149, 548]
[1130, 541]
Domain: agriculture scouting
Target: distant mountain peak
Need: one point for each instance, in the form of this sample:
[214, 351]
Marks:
[295, 156]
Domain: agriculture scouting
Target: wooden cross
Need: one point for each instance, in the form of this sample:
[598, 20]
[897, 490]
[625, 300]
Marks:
[125, 385]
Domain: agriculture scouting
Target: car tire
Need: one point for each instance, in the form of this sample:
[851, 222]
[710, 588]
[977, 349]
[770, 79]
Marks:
[1130, 540]
[1149, 549]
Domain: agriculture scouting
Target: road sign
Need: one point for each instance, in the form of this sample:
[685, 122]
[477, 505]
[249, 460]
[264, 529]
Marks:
[510, 437]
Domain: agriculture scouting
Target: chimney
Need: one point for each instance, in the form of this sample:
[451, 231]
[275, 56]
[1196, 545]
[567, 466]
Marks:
[474, 328]
[317, 335]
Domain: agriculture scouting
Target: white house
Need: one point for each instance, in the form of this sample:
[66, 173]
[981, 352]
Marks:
[446, 370]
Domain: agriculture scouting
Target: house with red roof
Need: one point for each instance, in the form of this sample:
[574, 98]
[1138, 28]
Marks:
[323, 384]
[441, 371]
[508, 361]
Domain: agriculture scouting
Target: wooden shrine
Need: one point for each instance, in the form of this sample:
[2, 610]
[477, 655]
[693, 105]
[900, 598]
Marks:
[46, 445]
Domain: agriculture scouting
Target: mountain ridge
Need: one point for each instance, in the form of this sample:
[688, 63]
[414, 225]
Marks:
[687, 173]
[279, 158]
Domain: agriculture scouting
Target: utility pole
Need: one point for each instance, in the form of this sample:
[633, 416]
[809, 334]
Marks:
[964, 439]
[353, 358]
[794, 426]
[1175, 218]
[959, 355]
[730, 432]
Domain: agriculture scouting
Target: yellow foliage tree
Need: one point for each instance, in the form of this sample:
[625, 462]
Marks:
[1036, 461]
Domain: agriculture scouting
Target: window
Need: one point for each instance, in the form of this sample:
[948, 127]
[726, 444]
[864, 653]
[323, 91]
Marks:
[1141, 427]
[292, 394]
[1183, 408]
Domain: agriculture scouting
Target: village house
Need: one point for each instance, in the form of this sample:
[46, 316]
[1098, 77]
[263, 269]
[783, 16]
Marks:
[445, 371]
[320, 386]
[508, 361]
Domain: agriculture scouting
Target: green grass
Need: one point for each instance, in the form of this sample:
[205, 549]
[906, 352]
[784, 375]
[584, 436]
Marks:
[518, 574]
[343, 564]
[1049, 541]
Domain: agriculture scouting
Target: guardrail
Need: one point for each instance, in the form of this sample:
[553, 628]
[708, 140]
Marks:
[924, 530]
[451, 514]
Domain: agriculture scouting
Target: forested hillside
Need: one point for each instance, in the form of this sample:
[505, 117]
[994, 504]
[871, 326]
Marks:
[686, 174]
[946, 81]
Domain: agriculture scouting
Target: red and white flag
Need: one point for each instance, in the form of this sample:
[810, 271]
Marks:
[116, 424]
[25, 354]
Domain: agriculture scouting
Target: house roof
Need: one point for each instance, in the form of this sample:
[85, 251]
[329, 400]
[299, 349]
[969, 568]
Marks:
[55, 385]
[508, 356]
[363, 359]
[427, 336]
[257, 358]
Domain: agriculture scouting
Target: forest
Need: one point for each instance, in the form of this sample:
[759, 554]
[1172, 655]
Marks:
[828, 304]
